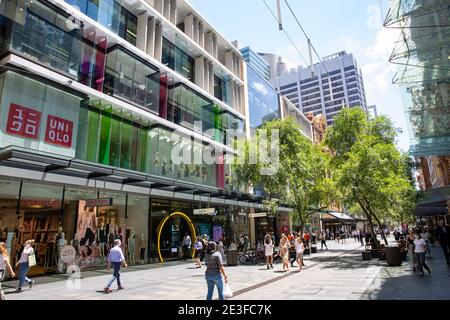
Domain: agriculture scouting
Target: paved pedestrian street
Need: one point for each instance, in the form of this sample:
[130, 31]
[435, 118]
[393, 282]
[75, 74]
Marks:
[337, 274]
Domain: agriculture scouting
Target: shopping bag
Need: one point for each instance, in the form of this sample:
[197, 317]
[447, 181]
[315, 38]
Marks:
[31, 260]
[227, 293]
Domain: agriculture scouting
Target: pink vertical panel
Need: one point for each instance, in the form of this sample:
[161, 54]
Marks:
[100, 63]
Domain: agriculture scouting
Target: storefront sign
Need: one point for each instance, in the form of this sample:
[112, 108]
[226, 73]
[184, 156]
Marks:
[257, 215]
[205, 212]
[243, 213]
[99, 202]
[59, 131]
[26, 122]
[23, 121]
[30, 203]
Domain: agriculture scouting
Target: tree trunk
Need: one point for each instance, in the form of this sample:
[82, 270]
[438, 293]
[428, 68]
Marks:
[369, 218]
[383, 236]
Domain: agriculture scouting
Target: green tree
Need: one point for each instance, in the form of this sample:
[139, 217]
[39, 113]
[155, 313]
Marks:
[299, 179]
[368, 169]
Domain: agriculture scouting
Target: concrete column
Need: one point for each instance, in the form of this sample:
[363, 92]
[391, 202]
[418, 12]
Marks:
[173, 11]
[141, 36]
[196, 27]
[158, 42]
[209, 43]
[151, 30]
[206, 75]
[215, 48]
[229, 60]
[166, 9]
[201, 35]
[159, 4]
[189, 26]
[211, 78]
[200, 71]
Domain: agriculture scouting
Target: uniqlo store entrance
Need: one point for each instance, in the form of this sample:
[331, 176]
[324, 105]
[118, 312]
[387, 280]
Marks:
[75, 227]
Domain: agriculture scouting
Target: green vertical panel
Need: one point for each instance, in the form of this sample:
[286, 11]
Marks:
[92, 144]
[114, 155]
[218, 126]
[134, 159]
[125, 145]
[82, 132]
[105, 137]
[143, 158]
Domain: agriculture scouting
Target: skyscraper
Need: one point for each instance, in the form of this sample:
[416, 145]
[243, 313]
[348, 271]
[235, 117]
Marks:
[309, 88]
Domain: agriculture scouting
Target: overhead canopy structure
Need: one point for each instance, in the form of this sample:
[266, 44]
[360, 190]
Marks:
[333, 215]
[422, 52]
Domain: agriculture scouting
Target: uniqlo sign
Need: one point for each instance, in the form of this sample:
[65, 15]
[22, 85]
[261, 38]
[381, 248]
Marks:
[59, 131]
[22, 121]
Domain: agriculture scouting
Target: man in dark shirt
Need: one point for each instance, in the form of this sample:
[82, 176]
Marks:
[443, 236]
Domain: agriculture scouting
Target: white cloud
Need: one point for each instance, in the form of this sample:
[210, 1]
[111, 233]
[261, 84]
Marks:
[261, 88]
[384, 44]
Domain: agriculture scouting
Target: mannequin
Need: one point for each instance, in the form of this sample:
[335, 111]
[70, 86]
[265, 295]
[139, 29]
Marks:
[57, 248]
[101, 239]
[142, 246]
[111, 238]
[62, 242]
[132, 247]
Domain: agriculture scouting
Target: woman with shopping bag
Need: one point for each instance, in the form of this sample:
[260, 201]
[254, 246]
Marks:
[26, 261]
[214, 271]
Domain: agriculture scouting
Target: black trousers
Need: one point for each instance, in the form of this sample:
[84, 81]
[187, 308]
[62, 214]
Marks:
[186, 252]
[322, 243]
[88, 235]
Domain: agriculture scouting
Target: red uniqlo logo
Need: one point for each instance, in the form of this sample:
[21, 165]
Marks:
[23, 121]
[59, 131]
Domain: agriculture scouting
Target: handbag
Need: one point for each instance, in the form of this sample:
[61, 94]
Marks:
[31, 259]
[227, 292]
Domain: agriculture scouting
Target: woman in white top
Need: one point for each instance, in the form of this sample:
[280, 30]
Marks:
[420, 247]
[24, 266]
[221, 249]
[425, 235]
[299, 248]
[4, 263]
[198, 246]
[268, 251]
[284, 252]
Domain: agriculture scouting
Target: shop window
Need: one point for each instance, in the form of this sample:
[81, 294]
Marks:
[177, 60]
[132, 79]
[32, 115]
[40, 219]
[218, 88]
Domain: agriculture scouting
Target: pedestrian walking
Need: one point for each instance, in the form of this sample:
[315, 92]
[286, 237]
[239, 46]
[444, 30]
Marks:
[420, 248]
[116, 258]
[214, 271]
[410, 240]
[425, 235]
[323, 241]
[299, 248]
[443, 237]
[24, 265]
[268, 251]
[4, 264]
[187, 242]
[284, 252]
[198, 246]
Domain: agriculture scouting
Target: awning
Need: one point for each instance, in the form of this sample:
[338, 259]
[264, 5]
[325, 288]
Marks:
[432, 209]
[333, 215]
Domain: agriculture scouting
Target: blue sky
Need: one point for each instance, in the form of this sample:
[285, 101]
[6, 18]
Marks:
[332, 25]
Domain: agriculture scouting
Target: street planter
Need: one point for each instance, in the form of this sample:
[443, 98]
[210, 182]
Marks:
[382, 255]
[307, 251]
[232, 258]
[393, 256]
[366, 255]
[313, 249]
[374, 253]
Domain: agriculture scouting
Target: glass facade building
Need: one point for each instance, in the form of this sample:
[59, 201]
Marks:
[86, 116]
[264, 103]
